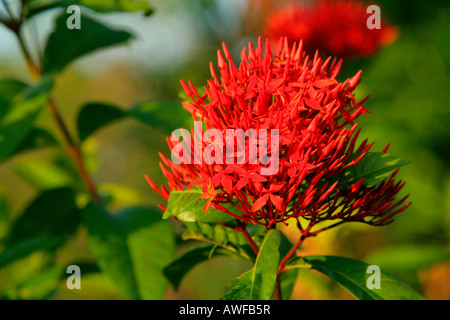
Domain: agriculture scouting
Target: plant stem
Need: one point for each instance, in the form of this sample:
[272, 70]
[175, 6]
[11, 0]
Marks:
[277, 290]
[294, 248]
[73, 150]
[249, 239]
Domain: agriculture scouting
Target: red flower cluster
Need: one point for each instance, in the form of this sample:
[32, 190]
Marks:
[333, 27]
[315, 116]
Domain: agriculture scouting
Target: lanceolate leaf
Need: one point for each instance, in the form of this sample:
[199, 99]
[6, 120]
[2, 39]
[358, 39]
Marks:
[188, 206]
[352, 275]
[27, 247]
[36, 138]
[373, 167]
[179, 268]
[162, 115]
[10, 92]
[16, 124]
[156, 114]
[53, 213]
[64, 45]
[38, 286]
[132, 248]
[93, 116]
[151, 245]
[259, 282]
[221, 236]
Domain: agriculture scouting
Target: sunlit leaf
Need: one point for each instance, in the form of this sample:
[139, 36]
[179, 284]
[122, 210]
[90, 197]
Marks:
[18, 121]
[259, 282]
[188, 206]
[352, 275]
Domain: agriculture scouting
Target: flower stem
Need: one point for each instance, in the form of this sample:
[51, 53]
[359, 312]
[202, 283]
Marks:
[294, 248]
[249, 239]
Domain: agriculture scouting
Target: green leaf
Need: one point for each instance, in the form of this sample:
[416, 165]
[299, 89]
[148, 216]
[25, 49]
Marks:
[132, 248]
[151, 244]
[52, 213]
[188, 206]
[222, 236]
[34, 7]
[64, 45]
[156, 114]
[10, 92]
[18, 121]
[27, 247]
[259, 282]
[352, 275]
[373, 167]
[43, 174]
[287, 282]
[36, 138]
[107, 240]
[179, 268]
[38, 286]
[93, 116]
[163, 115]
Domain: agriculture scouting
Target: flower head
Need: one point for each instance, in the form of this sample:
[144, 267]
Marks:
[336, 27]
[314, 115]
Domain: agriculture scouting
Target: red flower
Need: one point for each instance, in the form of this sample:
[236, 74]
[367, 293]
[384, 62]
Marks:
[333, 27]
[314, 115]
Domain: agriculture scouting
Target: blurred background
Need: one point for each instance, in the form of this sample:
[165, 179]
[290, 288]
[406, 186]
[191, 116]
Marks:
[408, 83]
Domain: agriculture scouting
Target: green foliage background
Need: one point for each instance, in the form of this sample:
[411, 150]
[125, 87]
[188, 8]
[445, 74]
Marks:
[134, 89]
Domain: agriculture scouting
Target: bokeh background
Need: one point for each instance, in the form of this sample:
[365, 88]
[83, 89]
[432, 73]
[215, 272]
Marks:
[408, 83]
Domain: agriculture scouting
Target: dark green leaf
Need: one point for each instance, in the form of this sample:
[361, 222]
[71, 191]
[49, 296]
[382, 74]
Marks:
[188, 206]
[164, 115]
[93, 116]
[17, 123]
[151, 245]
[373, 167]
[53, 213]
[107, 240]
[36, 138]
[178, 268]
[27, 247]
[64, 45]
[352, 275]
[259, 282]
[38, 286]
[10, 92]
[222, 236]
[132, 248]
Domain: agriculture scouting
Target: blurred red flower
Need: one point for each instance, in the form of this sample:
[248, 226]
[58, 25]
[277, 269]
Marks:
[335, 27]
[315, 115]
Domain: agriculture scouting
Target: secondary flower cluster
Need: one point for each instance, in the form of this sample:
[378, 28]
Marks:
[336, 27]
[315, 116]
